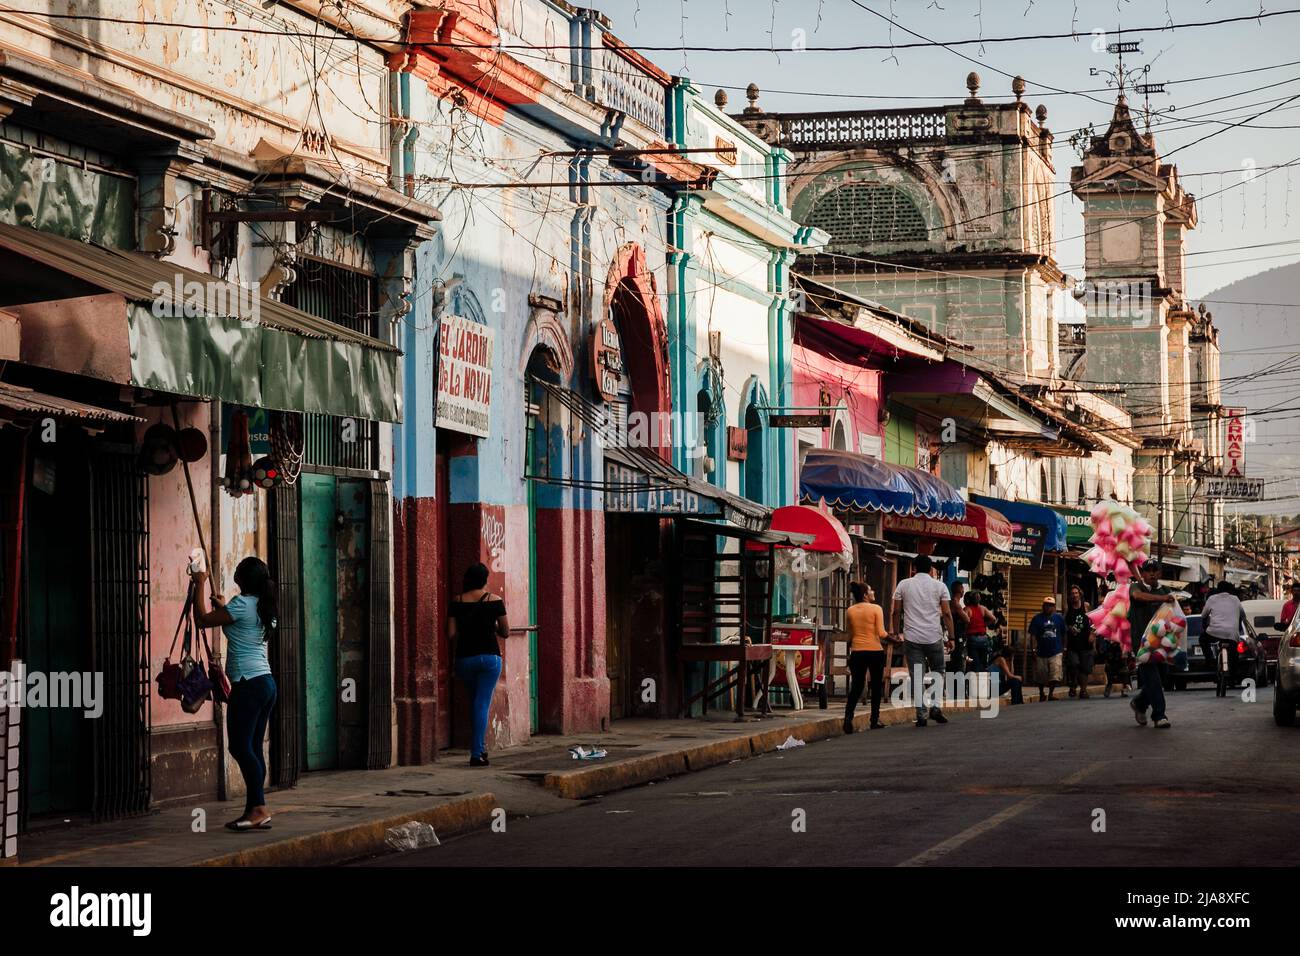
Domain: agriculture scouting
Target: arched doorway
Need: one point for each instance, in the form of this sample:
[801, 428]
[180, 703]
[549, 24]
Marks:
[635, 565]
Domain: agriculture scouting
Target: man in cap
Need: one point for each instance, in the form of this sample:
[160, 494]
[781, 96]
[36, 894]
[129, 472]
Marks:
[1048, 631]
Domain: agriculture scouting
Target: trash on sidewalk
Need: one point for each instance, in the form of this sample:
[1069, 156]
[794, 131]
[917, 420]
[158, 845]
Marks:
[587, 753]
[413, 835]
[790, 743]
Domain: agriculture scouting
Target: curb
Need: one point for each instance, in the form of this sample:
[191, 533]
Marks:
[360, 839]
[593, 781]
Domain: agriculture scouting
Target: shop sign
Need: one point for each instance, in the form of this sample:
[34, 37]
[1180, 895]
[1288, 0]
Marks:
[1234, 489]
[932, 528]
[628, 491]
[606, 359]
[465, 375]
[1235, 454]
[799, 421]
[1027, 542]
[259, 428]
[737, 443]
[1078, 525]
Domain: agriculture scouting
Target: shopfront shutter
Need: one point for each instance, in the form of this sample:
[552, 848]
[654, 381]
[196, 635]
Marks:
[286, 570]
[379, 719]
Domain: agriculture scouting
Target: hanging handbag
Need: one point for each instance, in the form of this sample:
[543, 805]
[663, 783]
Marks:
[216, 673]
[194, 685]
[170, 676]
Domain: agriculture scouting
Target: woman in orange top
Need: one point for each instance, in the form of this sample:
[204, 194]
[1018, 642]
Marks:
[865, 622]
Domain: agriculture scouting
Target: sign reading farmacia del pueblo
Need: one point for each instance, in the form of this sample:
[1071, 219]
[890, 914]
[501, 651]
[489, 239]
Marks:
[465, 376]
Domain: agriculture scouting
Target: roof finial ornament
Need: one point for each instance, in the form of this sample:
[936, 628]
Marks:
[720, 99]
[1018, 87]
[973, 85]
[1040, 114]
[751, 94]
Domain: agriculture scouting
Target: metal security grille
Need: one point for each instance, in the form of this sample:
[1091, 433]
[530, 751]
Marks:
[867, 213]
[286, 759]
[379, 745]
[119, 614]
[349, 298]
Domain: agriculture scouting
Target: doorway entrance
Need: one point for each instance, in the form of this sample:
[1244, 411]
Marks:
[335, 534]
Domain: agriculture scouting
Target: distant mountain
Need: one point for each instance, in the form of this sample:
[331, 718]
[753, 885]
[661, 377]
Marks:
[1258, 319]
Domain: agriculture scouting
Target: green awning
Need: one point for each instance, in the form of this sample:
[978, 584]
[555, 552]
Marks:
[131, 319]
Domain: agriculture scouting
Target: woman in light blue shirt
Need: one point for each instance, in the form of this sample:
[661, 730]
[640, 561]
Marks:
[249, 620]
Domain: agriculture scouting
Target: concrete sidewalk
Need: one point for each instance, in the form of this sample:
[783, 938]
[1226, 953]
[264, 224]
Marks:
[331, 817]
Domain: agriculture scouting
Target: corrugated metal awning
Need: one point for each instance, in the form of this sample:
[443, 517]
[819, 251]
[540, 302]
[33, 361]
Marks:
[27, 402]
[163, 326]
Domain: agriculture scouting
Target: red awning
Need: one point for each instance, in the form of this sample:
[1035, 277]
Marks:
[980, 526]
[829, 534]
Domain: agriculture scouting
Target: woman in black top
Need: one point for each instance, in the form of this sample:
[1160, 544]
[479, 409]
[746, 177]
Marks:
[477, 619]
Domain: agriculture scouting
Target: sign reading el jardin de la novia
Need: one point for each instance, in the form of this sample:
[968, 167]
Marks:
[465, 375]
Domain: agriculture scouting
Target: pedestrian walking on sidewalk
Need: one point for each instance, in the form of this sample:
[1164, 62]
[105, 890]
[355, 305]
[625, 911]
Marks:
[476, 621]
[1078, 647]
[248, 621]
[1145, 596]
[977, 636]
[865, 623]
[1048, 631]
[923, 616]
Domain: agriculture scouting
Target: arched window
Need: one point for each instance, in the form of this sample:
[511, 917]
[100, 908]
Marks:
[753, 473]
[864, 214]
[839, 440]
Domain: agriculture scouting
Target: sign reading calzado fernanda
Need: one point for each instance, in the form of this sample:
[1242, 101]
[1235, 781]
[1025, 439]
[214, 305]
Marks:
[464, 376]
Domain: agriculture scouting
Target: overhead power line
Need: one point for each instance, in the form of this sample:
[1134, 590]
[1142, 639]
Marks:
[678, 48]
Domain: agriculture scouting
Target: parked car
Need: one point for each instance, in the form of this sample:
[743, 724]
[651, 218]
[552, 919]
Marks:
[1263, 613]
[1190, 665]
[1286, 696]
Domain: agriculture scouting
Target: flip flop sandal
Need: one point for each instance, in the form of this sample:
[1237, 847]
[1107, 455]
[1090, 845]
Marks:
[241, 826]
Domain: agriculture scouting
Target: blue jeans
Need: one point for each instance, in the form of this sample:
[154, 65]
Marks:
[920, 658]
[979, 653]
[1151, 680]
[480, 674]
[246, 716]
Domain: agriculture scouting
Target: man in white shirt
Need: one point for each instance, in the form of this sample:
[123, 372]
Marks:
[1221, 619]
[923, 616]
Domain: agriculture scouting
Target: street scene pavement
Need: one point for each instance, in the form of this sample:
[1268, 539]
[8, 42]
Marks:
[1063, 783]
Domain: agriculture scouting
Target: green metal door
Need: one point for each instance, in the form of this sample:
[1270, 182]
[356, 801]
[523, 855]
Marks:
[58, 755]
[320, 618]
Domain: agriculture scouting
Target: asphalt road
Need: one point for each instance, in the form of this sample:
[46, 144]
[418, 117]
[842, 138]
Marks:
[1028, 787]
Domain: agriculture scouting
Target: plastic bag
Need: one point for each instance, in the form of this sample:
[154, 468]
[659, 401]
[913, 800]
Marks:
[413, 835]
[1163, 635]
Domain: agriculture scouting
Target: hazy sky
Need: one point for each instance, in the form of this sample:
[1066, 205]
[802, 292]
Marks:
[1235, 209]
[1247, 213]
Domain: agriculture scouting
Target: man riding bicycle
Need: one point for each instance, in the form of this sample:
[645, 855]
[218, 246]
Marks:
[1221, 620]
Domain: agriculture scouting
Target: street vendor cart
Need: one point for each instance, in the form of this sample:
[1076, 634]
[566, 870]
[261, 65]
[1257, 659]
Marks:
[818, 574]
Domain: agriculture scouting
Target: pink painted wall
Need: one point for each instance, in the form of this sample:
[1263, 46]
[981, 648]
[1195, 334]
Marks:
[857, 387]
[171, 536]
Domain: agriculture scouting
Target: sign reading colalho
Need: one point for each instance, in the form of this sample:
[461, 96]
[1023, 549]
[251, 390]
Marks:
[465, 376]
[629, 490]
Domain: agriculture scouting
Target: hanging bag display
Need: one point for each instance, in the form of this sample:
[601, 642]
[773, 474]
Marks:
[170, 676]
[216, 673]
